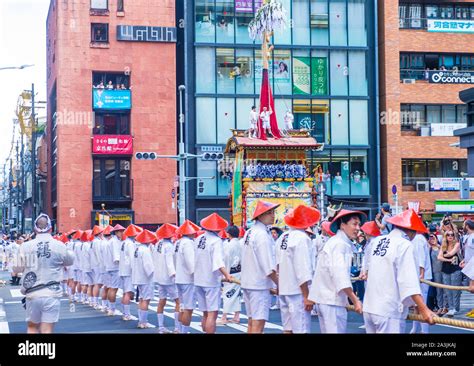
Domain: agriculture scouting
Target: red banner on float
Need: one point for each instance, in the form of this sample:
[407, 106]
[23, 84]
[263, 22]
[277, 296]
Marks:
[112, 144]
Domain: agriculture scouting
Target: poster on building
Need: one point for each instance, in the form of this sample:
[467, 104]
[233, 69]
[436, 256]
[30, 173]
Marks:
[112, 99]
[319, 79]
[451, 77]
[245, 6]
[301, 75]
[280, 69]
[450, 26]
[112, 144]
[449, 184]
[104, 220]
[445, 129]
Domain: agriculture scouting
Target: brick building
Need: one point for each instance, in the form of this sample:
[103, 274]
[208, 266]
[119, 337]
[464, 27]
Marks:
[94, 131]
[426, 59]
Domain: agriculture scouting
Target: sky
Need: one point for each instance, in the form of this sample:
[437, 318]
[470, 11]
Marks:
[22, 41]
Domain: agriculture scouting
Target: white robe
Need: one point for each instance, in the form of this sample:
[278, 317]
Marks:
[184, 257]
[163, 262]
[231, 293]
[142, 266]
[208, 259]
[393, 277]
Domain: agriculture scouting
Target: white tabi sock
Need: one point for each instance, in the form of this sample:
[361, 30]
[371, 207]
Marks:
[145, 316]
[64, 286]
[185, 329]
[161, 320]
[126, 309]
[112, 306]
[107, 303]
[69, 291]
[140, 316]
[177, 323]
[102, 301]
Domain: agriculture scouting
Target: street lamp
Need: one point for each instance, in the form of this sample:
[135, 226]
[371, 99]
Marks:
[21, 67]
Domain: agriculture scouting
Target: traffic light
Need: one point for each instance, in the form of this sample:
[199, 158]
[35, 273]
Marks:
[212, 156]
[145, 156]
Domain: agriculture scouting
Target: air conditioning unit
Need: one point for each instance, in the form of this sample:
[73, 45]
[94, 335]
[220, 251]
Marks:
[409, 81]
[423, 186]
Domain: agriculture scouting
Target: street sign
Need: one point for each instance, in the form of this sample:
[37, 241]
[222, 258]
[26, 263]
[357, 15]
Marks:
[395, 196]
[173, 193]
[394, 189]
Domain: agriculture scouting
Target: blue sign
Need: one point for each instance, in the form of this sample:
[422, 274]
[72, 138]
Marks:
[112, 99]
[394, 189]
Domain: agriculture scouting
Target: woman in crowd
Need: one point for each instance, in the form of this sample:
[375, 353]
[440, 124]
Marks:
[436, 267]
[449, 255]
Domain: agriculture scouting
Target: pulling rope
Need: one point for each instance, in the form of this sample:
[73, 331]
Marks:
[437, 320]
[447, 287]
[273, 291]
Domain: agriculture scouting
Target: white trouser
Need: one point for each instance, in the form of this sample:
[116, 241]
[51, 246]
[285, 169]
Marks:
[380, 324]
[332, 318]
[425, 327]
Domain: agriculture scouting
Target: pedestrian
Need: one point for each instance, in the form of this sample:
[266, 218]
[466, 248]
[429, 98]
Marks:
[371, 231]
[382, 217]
[436, 268]
[42, 261]
[142, 275]
[253, 120]
[258, 266]
[231, 292]
[76, 294]
[184, 252]
[265, 117]
[331, 285]
[294, 270]
[393, 273]
[98, 266]
[164, 275]
[209, 267]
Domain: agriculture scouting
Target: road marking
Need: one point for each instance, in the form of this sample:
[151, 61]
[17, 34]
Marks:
[16, 293]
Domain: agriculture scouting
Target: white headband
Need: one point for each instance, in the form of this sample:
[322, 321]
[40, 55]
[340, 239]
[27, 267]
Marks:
[47, 228]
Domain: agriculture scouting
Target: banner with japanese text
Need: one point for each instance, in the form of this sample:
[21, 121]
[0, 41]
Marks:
[112, 144]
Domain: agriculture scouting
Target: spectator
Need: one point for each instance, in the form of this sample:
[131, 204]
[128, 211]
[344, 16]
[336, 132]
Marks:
[451, 272]
[436, 266]
[382, 217]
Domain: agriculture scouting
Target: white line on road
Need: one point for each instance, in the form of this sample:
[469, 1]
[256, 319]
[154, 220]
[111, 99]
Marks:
[4, 329]
[16, 293]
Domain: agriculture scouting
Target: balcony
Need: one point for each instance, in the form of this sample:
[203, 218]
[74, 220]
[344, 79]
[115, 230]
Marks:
[430, 129]
[112, 145]
[112, 190]
[105, 99]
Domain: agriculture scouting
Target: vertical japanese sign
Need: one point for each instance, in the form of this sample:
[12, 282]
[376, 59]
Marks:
[301, 75]
[319, 78]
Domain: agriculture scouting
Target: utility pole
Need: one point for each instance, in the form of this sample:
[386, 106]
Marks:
[33, 153]
[17, 168]
[182, 162]
[10, 196]
[23, 185]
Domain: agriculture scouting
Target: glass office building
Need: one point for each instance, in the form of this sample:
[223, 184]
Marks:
[324, 69]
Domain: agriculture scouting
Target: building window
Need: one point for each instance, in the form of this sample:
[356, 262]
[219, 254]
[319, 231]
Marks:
[226, 70]
[112, 179]
[319, 23]
[110, 80]
[225, 21]
[418, 172]
[100, 32]
[205, 70]
[338, 22]
[120, 6]
[99, 5]
[205, 21]
[112, 124]
[415, 117]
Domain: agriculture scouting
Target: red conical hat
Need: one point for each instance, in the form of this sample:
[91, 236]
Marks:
[262, 207]
[132, 230]
[166, 231]
[214, 222]
[371, 228]
[77, 235]
[222, 234]
[118, 227]
[241, 232]
[87, 236]
[408, 220]
[70, 232]
[97, 230]
[64, 238]
[55, 237]
[302, 217]
[342, 213]
[326, 225]
[108, 230]
[188, 228]
[146, 237]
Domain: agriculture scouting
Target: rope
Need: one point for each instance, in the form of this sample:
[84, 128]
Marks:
[447, 287]
[437, 320]
[273, 291]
